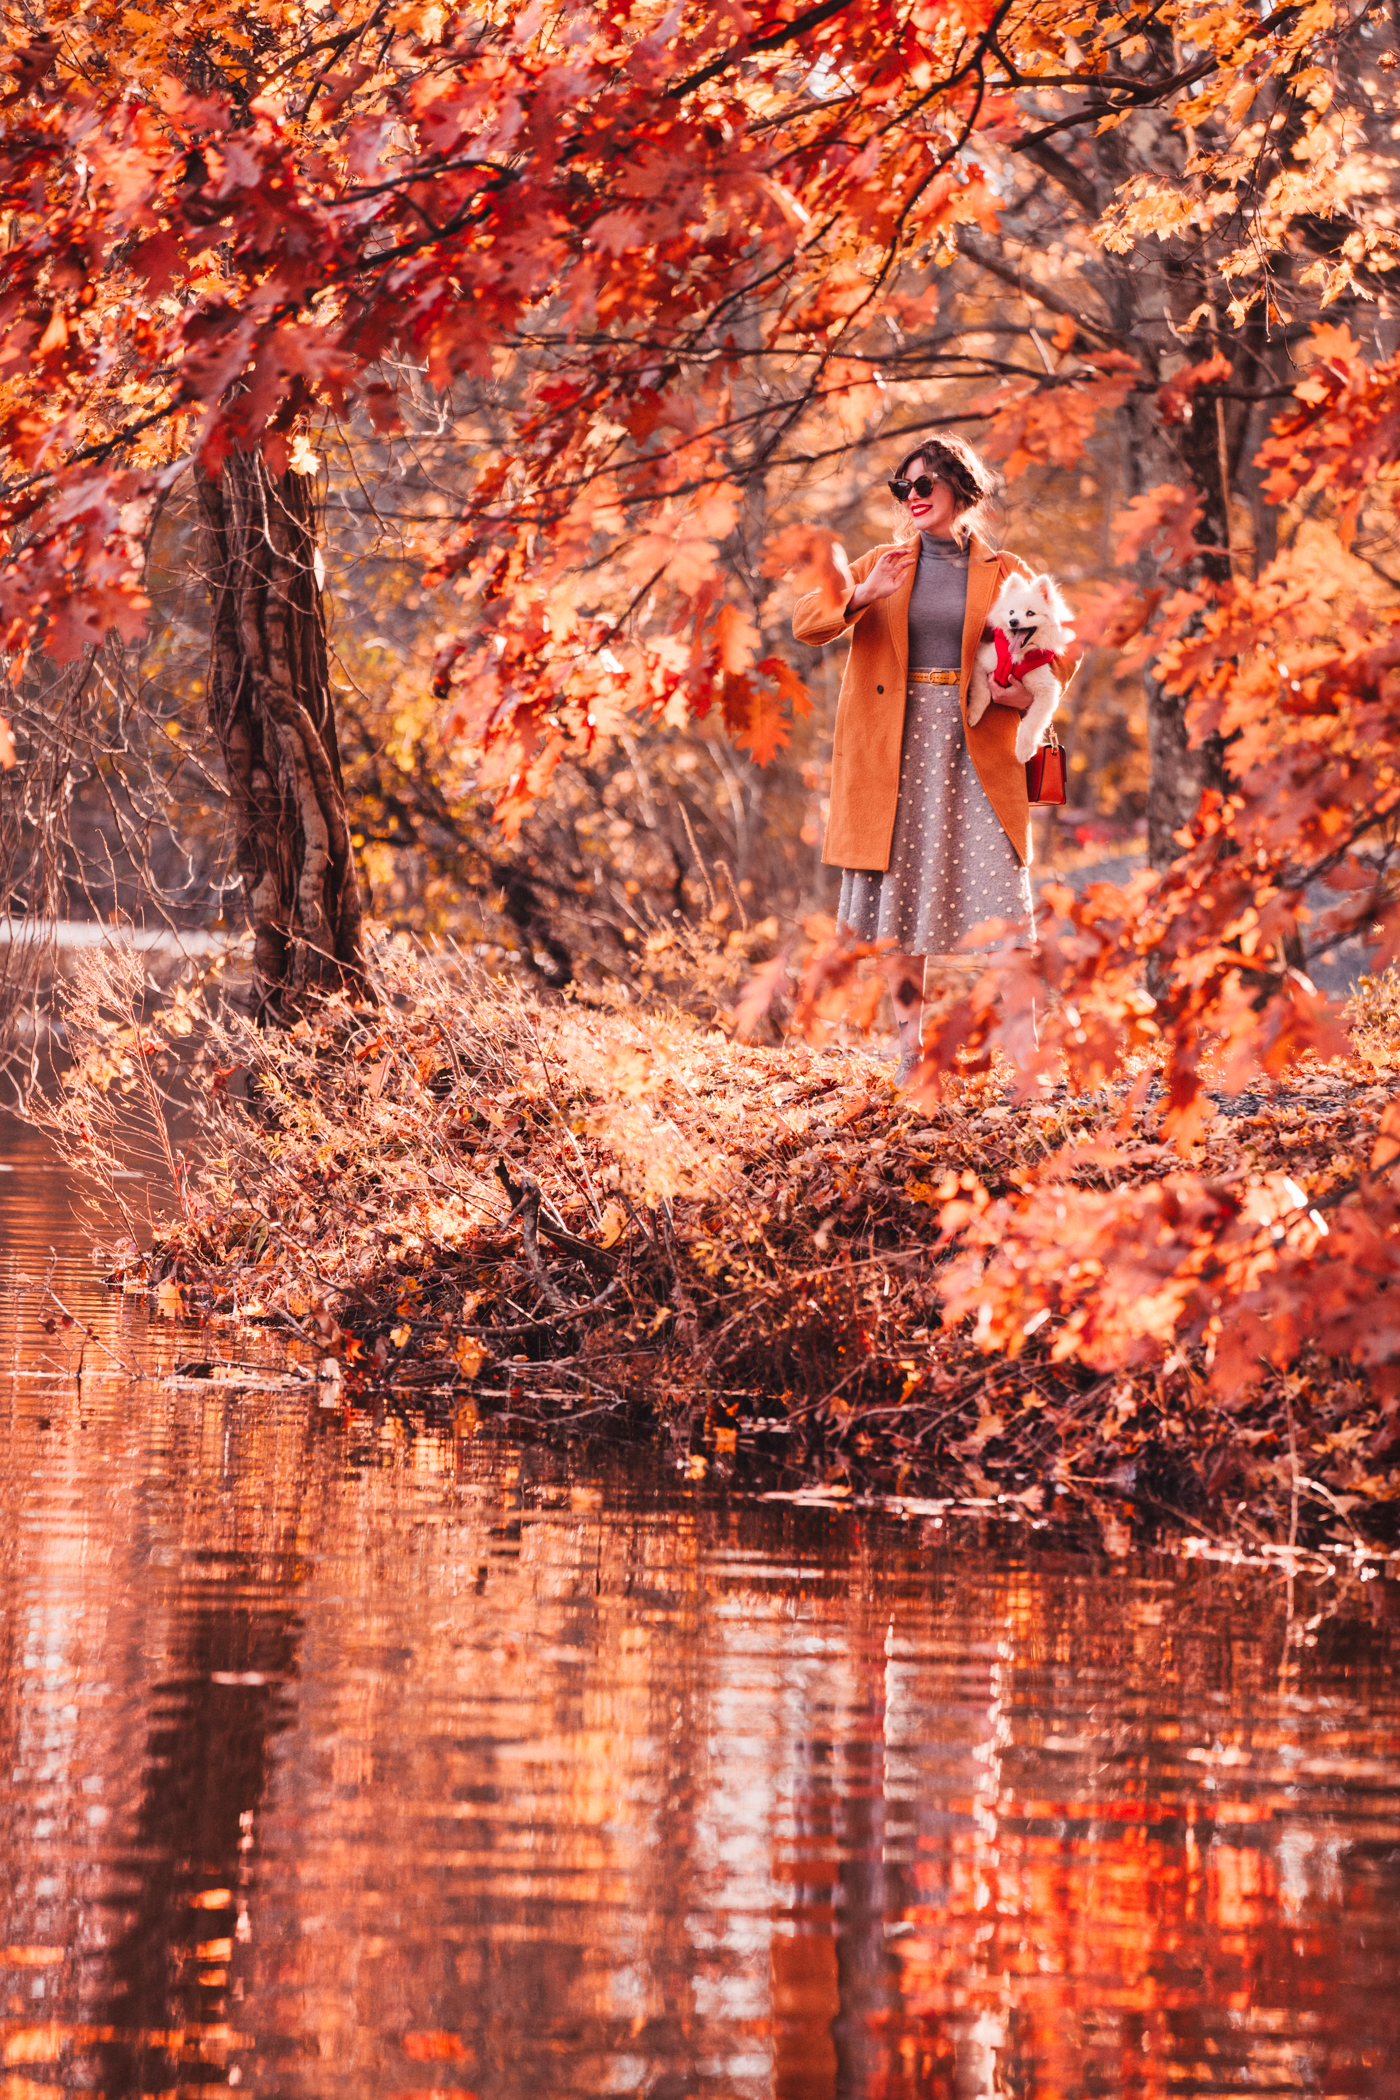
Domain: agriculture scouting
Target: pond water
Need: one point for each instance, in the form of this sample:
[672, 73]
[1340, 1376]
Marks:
[342, 1757]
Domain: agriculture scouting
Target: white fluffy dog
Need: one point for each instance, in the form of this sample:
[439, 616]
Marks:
[1026, 629]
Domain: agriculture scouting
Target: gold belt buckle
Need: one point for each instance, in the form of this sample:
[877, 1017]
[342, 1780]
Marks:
[935, 677]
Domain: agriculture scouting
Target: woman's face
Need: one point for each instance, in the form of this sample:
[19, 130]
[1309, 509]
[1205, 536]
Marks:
[935, 512]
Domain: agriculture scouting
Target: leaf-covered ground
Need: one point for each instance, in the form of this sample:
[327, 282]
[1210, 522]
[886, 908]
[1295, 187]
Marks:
[483, 1207]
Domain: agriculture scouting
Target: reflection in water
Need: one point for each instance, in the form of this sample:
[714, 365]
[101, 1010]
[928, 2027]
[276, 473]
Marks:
[344, 1758]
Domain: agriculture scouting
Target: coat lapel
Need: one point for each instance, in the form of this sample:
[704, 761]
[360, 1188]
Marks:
[983, 576]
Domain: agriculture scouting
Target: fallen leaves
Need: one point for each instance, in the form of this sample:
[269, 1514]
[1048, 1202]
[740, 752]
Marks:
[922, 1294]
[469, 1355]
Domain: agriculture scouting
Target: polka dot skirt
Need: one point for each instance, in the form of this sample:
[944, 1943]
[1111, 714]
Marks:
[951, 864]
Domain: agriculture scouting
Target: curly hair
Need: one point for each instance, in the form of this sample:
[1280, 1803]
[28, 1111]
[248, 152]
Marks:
[972, 481]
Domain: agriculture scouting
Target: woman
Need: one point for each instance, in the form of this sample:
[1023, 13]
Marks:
[930, 821]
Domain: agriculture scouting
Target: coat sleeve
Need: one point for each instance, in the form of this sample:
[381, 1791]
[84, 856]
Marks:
[819, 617]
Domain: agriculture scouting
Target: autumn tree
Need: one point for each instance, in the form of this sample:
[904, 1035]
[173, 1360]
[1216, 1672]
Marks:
[1204, 236]
[660, 270]
[660, 261]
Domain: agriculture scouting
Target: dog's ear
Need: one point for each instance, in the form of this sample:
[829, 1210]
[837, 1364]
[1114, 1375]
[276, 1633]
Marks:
[1050, 595]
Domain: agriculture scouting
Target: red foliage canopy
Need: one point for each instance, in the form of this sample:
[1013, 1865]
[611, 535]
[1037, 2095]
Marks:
[640, 217]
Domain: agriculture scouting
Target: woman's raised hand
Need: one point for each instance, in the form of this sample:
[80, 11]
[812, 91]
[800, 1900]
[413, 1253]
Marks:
[889, 572]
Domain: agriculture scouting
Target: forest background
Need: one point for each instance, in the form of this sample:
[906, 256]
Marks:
[417, 421]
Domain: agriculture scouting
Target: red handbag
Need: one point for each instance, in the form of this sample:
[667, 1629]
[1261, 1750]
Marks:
[1046, 772]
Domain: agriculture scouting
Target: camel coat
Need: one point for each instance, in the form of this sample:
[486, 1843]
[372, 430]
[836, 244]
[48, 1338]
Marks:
[870, 714]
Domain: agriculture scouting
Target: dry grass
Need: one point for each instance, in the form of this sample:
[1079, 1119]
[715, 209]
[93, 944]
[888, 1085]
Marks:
[481, 1205]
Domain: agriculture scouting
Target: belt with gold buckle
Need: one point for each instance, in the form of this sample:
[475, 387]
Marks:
[935, 677]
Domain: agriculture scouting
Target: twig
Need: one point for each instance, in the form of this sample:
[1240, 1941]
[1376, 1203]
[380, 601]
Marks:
[594, 1205]
[81, 1325]
[570, 1312]
[734, 893]
[699, 859]
[525, 1204]
[592, 1257]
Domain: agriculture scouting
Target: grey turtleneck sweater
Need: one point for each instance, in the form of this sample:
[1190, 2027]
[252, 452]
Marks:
[936, 605]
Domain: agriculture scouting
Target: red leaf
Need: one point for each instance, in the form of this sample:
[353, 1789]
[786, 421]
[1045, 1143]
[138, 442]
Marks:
[1174, 399]
[1162, 520]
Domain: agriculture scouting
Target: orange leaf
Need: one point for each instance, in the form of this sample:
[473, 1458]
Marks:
[790, 686]
[1174, 399]
[832, 984]
[1387, 1146]
[766, 730]
[813, 557]
[758, 994]
[1108, 615]
[736, 639]
[470, 1355]
[434, 2092]
[432, 2046]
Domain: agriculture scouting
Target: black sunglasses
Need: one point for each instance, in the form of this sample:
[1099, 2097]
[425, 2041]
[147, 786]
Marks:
[924, 486]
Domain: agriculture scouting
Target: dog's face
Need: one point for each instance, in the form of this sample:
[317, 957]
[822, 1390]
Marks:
[1027, 606]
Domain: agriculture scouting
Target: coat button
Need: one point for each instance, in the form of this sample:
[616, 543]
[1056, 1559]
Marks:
[879, 689]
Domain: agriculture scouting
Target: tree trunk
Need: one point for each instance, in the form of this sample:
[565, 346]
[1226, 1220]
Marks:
[1179, 772]
[270, 704]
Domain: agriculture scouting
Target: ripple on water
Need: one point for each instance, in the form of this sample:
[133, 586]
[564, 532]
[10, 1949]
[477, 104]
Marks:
[343, 1756]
